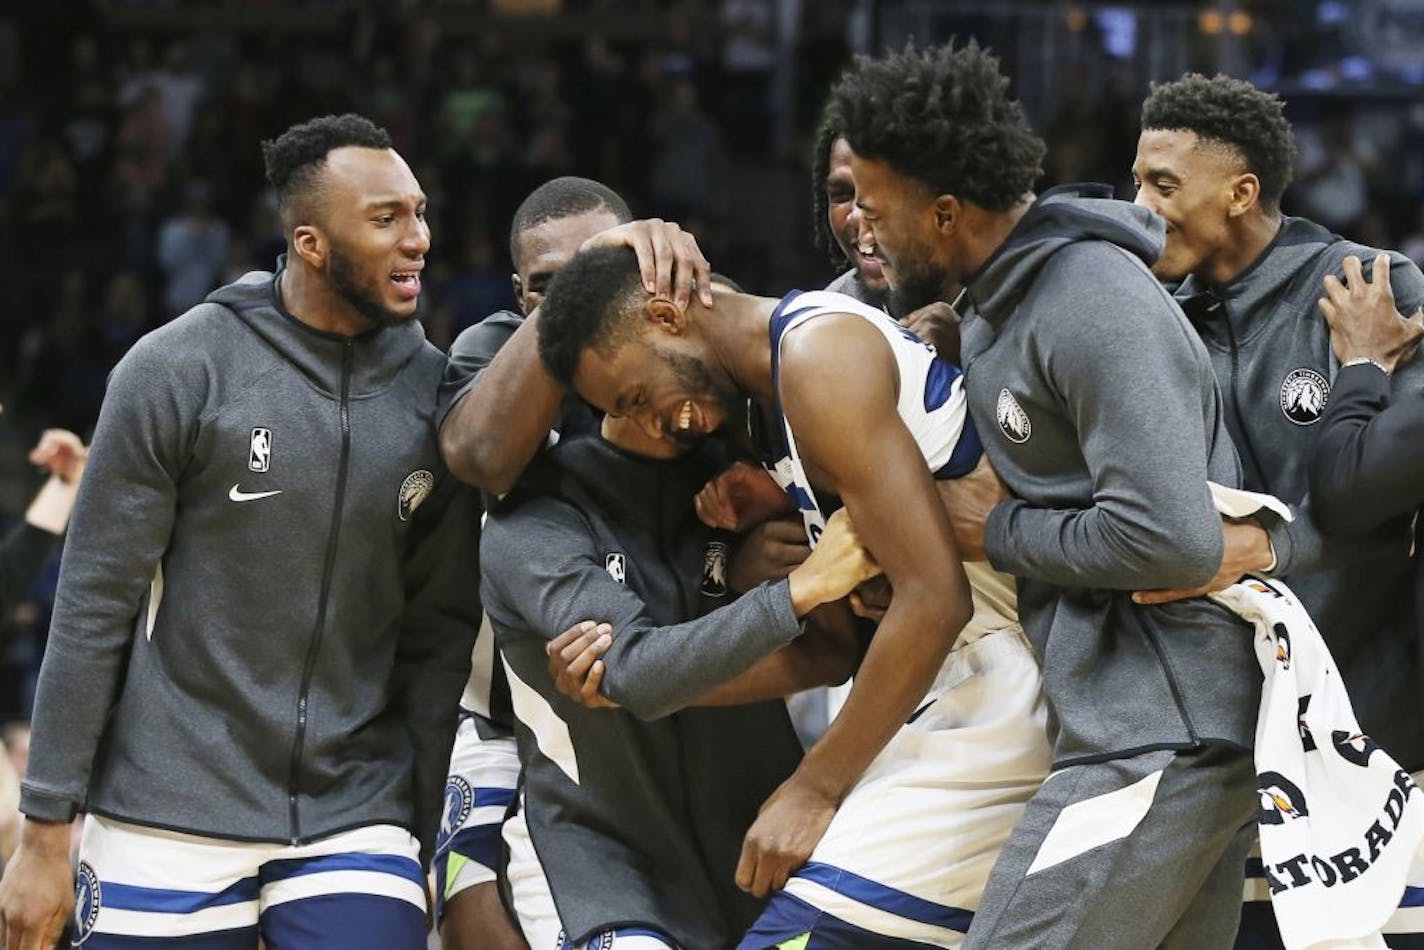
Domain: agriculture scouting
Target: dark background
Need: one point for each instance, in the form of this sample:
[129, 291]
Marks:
[131, 178]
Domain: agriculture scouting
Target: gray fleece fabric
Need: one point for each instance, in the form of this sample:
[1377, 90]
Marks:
[296, 670]
[1098, 407]
[646, 827]
[1270, 348]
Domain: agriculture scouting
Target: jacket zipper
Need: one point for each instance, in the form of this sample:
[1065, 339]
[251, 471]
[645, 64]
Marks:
[309, 666]
[1257, 479]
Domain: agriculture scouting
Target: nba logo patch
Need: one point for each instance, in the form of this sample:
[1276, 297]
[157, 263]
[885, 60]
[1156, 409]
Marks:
[87, 898]
[259, 454]
[616, 566]
[714, 569]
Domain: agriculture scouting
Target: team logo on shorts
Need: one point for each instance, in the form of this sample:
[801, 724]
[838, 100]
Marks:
[87, 897]
[459, 799]
[1013, 421]
[714, 569]
[259, 453]
[617, 567]
[1281, 799]
[1303, 395]
[415, 489]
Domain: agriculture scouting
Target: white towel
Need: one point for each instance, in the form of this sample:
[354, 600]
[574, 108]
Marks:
[1340, 820]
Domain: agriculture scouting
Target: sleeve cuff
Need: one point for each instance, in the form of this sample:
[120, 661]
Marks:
[1278, 531]
[996, 534]
[45, 806]
[783, 614]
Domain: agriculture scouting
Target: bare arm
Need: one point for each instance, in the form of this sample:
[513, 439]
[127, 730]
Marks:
[492, 432]
[489, 436]
[838, 388]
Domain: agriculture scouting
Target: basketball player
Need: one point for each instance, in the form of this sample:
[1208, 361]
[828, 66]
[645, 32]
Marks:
[264, 612]
[547, 229]
[637, 812]
[845, 396]
[1098, 408]
[1213, 160]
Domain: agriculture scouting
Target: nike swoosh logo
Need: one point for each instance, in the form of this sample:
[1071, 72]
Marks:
[236, 494]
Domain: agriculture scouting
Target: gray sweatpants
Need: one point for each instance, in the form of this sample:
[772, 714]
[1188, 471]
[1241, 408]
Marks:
[1133, 853]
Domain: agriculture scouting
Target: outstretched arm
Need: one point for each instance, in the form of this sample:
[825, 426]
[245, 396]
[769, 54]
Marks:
[493, 430]
[839, 389]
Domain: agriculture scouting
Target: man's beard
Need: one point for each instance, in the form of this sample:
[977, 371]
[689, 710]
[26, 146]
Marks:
[344, 274]
[914, 287]
[694, 377]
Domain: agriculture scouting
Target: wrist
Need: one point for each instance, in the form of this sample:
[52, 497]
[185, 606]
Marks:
[46, 837]
[1380, 365]
[806, 590]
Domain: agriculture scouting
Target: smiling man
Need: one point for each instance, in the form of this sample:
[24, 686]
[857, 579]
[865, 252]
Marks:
[1214, 160]
[1097, 406]
[264, 616]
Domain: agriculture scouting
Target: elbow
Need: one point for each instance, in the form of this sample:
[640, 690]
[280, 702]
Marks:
[461, 452]
[1187, 558]
[641, 705]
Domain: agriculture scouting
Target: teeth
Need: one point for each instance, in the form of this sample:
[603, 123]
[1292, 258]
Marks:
[867, 249]
[684, 419]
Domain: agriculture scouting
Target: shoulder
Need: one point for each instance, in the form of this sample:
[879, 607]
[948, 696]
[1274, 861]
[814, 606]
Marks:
[844, 351]
[480, 342]
[1097, 288]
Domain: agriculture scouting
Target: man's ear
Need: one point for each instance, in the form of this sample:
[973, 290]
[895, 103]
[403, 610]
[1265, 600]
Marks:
[310, 245]
[946, 214]
[666, 315]
[518, 286]
[1245, 194]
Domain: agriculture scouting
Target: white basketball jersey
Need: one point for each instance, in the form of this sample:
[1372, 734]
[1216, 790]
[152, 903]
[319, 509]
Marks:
[933, 407]
[910, 847]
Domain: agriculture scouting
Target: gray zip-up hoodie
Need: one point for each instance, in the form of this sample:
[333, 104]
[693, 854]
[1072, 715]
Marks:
[1098, 408]
[1270, 348]
[637, 813]
[267, 601]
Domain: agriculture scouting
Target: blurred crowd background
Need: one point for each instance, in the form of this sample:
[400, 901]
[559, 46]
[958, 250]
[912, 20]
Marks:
[131, 179]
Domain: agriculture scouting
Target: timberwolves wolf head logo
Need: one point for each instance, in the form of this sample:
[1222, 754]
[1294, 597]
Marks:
[1303, 395]
[714, 570]
[415, 489]
[1356, 747]
[1281, 799]
[87, 897]
[1013, 421]
[459, 799]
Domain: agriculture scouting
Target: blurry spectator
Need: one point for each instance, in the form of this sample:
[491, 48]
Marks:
[192, 251]
[15, 736]
[180, 89]
[143, 141]
[123, 316]
[748, 54]
[1413, 244]
[1335, 166]
[479, 286]
[687, 159]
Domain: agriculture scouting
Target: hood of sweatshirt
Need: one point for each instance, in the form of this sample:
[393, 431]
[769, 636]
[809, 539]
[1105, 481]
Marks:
[376, 357]
[1061, 216]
